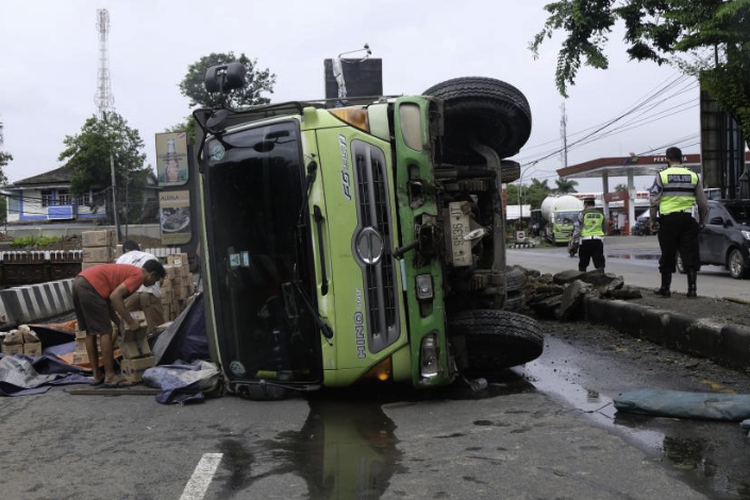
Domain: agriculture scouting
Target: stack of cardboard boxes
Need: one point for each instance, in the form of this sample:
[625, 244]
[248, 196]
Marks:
[98, 247]
[177, 287]
[22, 341]
[136, 353]
[80, 356]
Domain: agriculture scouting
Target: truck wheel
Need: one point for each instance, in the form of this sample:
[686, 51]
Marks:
[497, 339]
[510, 171]
[494, 112]
[736, 265]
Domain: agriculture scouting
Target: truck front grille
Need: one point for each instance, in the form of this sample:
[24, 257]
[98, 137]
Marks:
[379, 274]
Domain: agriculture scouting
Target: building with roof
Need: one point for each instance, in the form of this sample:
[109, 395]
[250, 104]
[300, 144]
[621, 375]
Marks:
[46, 197]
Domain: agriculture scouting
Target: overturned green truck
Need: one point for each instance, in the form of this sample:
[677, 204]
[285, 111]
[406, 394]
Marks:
[361, 240]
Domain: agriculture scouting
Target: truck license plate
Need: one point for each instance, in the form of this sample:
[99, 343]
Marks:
[460, 227]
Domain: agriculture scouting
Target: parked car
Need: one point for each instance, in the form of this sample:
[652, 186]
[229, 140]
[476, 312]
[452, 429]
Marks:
[726, 239]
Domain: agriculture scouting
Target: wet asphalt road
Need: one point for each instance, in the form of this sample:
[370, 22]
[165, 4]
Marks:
[543, 431]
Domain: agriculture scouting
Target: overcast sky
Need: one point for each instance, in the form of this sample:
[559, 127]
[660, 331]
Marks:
[49, 56]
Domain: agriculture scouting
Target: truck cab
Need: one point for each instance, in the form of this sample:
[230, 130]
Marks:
[339, 243]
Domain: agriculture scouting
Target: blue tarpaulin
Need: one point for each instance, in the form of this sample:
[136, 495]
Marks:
[22, 375]
[678, 404]
[182, 382]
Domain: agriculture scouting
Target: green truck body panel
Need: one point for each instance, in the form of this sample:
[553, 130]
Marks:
[335, 221]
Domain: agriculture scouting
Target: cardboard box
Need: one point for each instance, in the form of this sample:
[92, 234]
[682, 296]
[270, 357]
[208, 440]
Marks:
[11, 349]
[80, 358]
[178, 259]
[133, 369]
[81, 345]
[13, 337]
[29, 336]
[98, 255]
[134, 344]
[102, 238]
[137, 364]
[32, 349]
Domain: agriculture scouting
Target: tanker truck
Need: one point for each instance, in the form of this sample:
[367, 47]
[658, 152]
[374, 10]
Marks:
[560, 212]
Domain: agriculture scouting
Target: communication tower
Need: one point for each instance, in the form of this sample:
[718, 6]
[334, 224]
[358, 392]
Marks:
[103, 99]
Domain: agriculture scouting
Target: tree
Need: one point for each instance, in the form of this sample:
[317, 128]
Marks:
[88, 154]
[664, 31]
[5, 158]
[257, 82]
[621, 188]
[532, 195]
[565, 186]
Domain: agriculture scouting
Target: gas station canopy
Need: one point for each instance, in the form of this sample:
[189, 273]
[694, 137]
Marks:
[625, 166]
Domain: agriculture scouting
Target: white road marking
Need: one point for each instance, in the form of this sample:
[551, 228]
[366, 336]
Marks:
[204, 472]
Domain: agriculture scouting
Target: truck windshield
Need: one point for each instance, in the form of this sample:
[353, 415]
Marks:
[255, 191]
[565, 217]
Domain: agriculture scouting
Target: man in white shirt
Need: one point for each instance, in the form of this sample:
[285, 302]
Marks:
[146, 298]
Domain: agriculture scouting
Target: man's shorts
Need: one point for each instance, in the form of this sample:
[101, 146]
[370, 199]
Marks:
[92, 310]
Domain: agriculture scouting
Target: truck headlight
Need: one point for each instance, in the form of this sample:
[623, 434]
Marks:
[424, 287]
[428, 356]
[746, 234]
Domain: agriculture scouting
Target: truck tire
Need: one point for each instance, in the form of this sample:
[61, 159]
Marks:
[515, 301]
[510, 171]
[497, 339]
[494, 112]
[514, 279]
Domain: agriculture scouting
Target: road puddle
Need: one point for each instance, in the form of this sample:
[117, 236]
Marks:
[345, 450]
[712, 454]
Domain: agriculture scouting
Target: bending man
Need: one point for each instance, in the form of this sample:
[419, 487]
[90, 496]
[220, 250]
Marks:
[99, 294]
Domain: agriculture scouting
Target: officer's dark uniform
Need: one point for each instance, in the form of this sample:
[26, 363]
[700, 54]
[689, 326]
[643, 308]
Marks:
[675, 191]
[589, 229]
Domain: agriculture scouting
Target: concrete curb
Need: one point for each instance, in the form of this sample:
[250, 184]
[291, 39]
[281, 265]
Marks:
[727, 345]
[32, 303]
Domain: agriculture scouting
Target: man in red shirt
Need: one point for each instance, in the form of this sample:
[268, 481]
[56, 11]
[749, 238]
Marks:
[99, 294]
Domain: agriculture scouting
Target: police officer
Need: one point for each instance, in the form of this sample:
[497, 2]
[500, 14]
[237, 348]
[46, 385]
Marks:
[589, 230]
[675, 191]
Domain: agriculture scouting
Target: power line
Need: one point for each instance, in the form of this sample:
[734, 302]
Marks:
[633, 109]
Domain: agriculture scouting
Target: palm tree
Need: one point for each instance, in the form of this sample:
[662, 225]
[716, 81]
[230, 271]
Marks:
[565, 186]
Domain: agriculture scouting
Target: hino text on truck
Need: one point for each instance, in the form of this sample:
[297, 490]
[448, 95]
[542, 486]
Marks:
[357, 240]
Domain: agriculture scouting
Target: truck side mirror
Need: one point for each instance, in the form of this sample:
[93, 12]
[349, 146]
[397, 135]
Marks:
[224, 77]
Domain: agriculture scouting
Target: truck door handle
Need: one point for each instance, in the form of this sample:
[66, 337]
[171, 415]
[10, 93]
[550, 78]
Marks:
[318, 215]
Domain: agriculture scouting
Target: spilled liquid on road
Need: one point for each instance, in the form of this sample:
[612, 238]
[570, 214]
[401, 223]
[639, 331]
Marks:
[689, 446]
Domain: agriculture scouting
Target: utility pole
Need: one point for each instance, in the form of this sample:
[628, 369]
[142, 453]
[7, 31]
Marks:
[114, 195]
[564, 135]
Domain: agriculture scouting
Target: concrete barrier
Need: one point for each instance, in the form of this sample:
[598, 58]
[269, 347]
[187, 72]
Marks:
[727, 345]
[34, 303]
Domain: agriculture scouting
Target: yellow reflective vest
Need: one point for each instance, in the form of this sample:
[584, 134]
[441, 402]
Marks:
[592, 223]
[678, 190]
